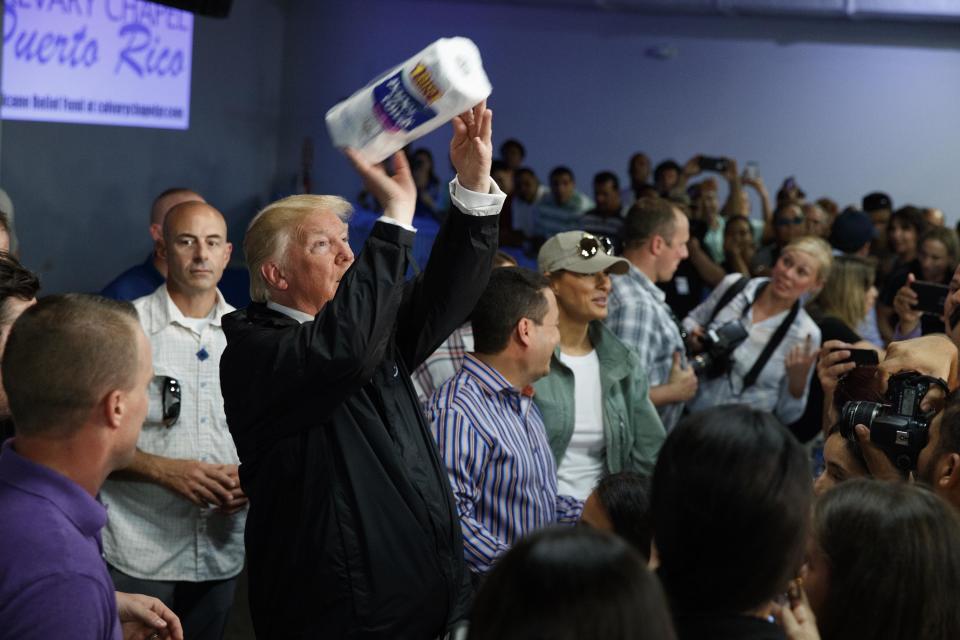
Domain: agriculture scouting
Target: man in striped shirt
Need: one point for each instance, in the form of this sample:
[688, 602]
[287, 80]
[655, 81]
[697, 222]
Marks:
[490, 432]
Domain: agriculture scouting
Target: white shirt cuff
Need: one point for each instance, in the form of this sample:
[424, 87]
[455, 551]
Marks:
[408, 227]
[474, 203]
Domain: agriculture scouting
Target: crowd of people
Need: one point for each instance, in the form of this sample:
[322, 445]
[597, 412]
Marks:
[686, 421]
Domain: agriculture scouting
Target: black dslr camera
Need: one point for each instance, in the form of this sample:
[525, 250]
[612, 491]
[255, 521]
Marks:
[718, 345]
[898, 426]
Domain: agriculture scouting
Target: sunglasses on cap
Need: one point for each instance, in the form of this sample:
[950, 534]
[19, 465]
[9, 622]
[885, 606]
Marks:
[590, 245]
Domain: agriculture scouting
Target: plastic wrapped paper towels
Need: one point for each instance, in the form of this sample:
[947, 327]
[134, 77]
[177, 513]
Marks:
[410, 100]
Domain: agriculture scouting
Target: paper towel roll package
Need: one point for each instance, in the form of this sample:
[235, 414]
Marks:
[410, 100]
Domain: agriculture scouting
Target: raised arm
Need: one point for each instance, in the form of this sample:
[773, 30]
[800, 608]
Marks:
[440, 299]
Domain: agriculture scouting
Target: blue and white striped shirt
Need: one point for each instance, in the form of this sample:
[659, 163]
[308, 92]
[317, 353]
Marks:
[504, 478]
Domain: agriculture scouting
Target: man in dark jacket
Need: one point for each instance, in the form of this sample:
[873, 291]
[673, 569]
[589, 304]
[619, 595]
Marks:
[352, 531]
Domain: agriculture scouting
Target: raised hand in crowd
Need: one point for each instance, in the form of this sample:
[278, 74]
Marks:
[396, 193]
[146, 618]
[756, 183]
[903, 304]
[934, 355]
[471, 149]
[798, 362]
[832, 364]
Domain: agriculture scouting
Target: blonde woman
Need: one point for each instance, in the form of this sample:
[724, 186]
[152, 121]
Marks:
[842, 305]
[770, 368]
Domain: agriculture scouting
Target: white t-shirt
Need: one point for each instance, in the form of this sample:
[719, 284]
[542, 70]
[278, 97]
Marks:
[582, 464]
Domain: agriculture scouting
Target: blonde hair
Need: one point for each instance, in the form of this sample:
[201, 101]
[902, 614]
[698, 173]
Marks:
[819, 250]
[271, 230]
[844, 294]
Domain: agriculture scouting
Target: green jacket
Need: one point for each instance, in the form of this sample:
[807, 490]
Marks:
[631, 425]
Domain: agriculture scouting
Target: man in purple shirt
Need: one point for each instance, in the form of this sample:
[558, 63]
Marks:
[76, 370]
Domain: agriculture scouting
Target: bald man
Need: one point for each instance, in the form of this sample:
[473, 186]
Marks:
[142, 279]
[177, 512]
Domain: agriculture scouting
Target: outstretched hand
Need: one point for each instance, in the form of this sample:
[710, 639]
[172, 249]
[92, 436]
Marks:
[471, 149]
[396, 193]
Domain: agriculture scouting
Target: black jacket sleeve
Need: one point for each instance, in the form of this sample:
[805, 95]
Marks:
[442, 297]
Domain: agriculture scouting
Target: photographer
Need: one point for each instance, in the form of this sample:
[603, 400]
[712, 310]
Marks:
[770, 367]
[936, 260]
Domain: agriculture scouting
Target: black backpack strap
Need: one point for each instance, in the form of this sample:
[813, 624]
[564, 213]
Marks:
[727, 296]
[772, 344]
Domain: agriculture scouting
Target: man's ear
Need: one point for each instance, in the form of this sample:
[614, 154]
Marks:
[156, 232]
[523, 330]
[273, 276]
[114, 406]
[947, 472]
[656, 244]
[227, 253]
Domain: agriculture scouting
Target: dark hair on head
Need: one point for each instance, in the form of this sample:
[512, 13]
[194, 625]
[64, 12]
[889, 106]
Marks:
[625, 497]
[731, 501]
[16, 281]
[63, 354]
[649, 217]
[512, 143]
[511, 294]
[561, 171]
[893, 551]
[852, 446]
[909, 216]
[607, 176]
[861, 383]
[737, 218]
[570, 583]
[663, 167]
[498, 165]
[524, 170]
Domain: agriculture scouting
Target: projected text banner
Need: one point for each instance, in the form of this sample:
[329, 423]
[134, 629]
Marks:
[115, 62]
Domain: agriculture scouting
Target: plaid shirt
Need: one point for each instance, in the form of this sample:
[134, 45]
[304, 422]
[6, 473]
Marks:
[442, 364]
[152, 532]
[504, 479]
[639, 316]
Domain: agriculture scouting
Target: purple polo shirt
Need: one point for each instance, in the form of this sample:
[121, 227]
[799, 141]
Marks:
[53, 580]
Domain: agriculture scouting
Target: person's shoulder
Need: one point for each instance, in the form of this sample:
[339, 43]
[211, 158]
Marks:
[62, 605]
[137, 281]
[27, 556]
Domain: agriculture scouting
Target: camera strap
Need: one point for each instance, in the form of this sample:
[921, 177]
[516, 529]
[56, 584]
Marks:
[751, 378]
[727, 296]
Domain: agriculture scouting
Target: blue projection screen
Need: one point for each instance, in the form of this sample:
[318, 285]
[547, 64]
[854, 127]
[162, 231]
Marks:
[112, 62]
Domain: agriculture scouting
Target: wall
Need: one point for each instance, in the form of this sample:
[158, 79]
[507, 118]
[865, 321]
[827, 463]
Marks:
[847, 107]
[82, 193]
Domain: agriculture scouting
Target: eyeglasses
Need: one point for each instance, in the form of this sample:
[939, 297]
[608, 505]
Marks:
[783, 222]
[590, 245]
[170, 400]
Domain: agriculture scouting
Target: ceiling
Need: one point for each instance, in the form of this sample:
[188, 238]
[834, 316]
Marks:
[888, 10]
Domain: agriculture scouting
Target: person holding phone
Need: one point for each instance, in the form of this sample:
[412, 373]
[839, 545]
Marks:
[841, 306]
[935, 262]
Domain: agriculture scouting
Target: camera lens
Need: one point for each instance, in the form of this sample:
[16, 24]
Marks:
[858, 412]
